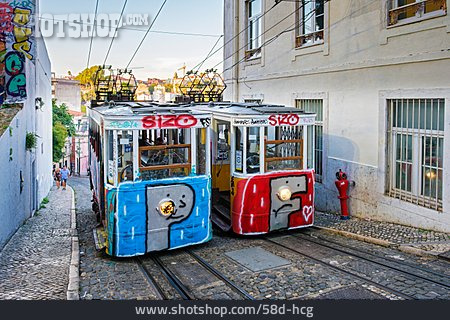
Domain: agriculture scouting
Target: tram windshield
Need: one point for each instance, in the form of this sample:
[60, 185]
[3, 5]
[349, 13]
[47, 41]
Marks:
[161, 153]
[283, 148]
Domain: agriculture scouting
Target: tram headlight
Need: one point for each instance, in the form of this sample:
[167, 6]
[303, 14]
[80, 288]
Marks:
[284, 193]
[166, 207]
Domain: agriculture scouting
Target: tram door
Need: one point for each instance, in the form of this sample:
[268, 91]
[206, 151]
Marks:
[221, 172]
[222, 155]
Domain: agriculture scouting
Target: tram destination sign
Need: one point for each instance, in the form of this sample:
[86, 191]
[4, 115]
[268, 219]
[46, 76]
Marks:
[178, 121]
[275, 120]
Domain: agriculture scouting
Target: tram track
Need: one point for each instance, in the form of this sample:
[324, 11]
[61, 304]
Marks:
[220, 275]
[151, 280]
[398, 268]
[177, 284]
[339, 269]
[429, 271]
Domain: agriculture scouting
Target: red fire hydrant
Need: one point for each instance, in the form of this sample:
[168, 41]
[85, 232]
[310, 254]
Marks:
[342, 185]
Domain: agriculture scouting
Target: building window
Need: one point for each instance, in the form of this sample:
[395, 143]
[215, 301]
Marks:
[254, 12]
[405, 11]
[416, 150]
[315, 156]
[310, 22]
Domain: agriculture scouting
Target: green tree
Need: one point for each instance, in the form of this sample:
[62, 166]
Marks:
[63, 127]
[151, 88]
[61, 115]
[87, 79]
[59, 138]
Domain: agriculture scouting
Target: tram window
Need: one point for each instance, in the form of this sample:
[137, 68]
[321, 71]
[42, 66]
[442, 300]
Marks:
[201, 151]
[239, 149]
[125, 155]
[163, 153]
[284, 148]
[253, 150]
[223, 142]
[111, 164]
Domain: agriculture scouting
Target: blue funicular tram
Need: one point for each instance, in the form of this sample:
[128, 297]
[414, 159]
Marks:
[150, 171]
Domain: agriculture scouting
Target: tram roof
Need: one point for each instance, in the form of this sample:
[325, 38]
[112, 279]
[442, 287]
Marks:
[247, 109]
[130, 109]
[231, 109]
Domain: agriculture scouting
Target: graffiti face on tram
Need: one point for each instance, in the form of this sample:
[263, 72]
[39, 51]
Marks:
[166, 205]
[285, 199]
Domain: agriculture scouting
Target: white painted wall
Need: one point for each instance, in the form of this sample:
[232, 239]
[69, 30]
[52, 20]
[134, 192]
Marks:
[360, 65]
[68, 92]
[34, 166]
[44, 119]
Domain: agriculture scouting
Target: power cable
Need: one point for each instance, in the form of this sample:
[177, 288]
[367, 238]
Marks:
[215, 44]
[266, 31]
[290, 28]
[140, 30]
[146, 34]
[115, 32]
[92, 35]
[245, 29]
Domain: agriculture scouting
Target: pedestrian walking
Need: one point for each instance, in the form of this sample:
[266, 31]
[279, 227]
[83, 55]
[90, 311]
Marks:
[64, 177]
[57, 177]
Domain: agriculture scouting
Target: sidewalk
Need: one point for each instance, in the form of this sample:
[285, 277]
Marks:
[407, 239]
[34, 265]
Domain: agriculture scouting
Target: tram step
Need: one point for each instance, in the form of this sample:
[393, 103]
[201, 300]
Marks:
[221, 223]
[100, 238]
[221, 217]
[222, 210]
[224, 199]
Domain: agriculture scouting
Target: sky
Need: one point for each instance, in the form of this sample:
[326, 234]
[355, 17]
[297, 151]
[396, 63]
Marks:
[160, 55]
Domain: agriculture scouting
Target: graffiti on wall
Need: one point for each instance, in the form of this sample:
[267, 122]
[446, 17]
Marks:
[274, 201]
[6, 29]
[15, 75]
[17, 43]
[2, 71]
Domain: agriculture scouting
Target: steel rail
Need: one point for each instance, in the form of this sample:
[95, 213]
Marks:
[393, 291]
[174, 281]
[152, 281]
[374, 261]
[220, 275]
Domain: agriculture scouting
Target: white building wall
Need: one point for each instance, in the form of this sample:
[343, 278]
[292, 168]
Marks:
[69, 93]
[360, 65]
[44, 119]
[27, 174]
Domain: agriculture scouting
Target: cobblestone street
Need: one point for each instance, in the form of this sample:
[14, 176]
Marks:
[307, 264]
[100, 276]
[34, 265]
[313, 263]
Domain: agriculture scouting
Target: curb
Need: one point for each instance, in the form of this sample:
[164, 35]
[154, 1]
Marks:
[74, 269]
[383, 243]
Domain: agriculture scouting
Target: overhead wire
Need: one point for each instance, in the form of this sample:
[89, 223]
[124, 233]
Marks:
[146, 34]
[92, 35]
[204, 60]
[277, 2]
[290, 28]
[266, 31]
[115, 32]
[137, 29]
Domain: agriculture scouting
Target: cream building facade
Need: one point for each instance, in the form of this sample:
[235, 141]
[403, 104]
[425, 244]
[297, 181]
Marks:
[377, 73]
